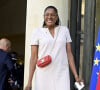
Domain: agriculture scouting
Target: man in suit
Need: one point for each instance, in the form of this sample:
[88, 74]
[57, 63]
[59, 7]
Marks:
[5, 62]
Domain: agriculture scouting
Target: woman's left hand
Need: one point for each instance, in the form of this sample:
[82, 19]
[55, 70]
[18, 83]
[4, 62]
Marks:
[77, 79]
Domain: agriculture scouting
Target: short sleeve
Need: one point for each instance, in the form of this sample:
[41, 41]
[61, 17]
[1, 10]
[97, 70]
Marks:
[68, 37]
[34, 37]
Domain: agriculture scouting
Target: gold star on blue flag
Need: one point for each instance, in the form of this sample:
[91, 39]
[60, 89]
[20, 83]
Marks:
[96, 64]
[98, 47]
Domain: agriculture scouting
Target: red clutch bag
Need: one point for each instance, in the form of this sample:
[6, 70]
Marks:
[44, 61]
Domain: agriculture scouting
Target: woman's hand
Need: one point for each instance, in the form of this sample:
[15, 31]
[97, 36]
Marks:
[28, 87]
[77, 79]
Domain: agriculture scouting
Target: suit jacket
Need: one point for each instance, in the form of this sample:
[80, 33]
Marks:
[5, 66]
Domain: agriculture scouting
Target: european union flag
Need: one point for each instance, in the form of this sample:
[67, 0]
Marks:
[96, 64]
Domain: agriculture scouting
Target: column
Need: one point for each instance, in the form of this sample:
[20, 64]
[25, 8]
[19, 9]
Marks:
[35, 10]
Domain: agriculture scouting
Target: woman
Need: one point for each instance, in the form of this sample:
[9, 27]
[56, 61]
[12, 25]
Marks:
[55, 40]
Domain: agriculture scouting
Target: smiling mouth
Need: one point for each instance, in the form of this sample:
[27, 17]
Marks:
[49, 21]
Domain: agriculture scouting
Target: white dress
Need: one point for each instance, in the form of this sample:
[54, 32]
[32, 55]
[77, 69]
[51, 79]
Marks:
[55, 76]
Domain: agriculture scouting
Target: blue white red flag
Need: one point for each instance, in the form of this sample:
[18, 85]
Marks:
[96, 66]
[98, 82]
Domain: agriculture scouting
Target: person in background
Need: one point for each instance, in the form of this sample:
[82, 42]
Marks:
[5, 62]
[18, 74]
[55, 40]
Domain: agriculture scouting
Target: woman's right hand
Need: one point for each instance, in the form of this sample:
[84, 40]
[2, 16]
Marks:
[28, 87]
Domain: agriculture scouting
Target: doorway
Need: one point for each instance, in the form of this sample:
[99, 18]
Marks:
[12, 27]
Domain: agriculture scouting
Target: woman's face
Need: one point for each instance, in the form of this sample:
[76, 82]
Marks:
[50, 17]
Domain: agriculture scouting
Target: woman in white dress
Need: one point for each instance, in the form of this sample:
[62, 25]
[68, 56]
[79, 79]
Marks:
[55, 40]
